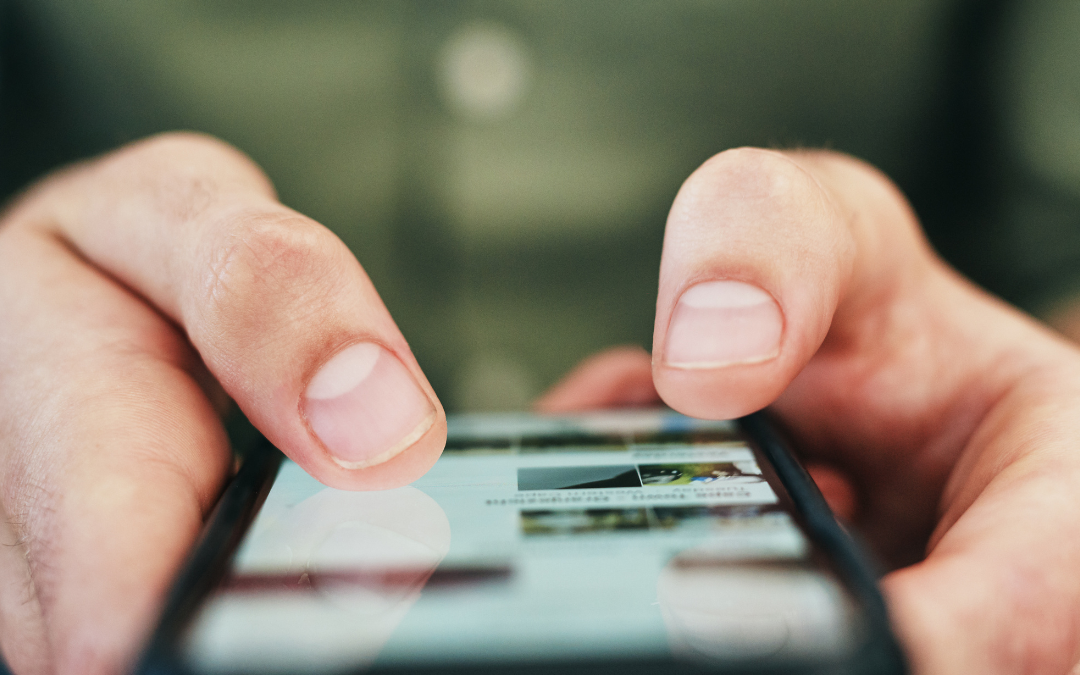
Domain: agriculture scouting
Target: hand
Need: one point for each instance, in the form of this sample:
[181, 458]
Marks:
[138, 294]
[943, 422]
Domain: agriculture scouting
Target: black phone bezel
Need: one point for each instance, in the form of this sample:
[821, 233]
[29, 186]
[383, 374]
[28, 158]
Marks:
[878, 653]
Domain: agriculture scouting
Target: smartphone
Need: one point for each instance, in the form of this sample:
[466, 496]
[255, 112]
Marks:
[612, 542]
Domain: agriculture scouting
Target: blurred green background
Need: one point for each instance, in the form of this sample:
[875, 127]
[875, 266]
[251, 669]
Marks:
[503, 170]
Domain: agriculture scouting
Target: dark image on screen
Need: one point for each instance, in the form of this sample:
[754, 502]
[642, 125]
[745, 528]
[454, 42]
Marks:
[578, 477]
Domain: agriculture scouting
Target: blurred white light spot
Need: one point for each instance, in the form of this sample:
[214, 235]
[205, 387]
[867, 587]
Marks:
[484, 71]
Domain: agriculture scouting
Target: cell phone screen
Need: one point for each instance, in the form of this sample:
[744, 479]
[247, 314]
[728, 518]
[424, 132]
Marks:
[635, 536]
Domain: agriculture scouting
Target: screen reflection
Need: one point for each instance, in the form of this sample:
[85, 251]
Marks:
[532, 539]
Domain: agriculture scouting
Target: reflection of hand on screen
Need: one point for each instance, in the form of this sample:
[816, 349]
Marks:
[724, 611]
[333, 574]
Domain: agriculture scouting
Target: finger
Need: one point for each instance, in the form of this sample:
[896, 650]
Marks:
[999, 591]
[111, 456]
[614, 378]
[760, 250]
[816, 262]
[622, 376]
[918, 379]
[277, 306]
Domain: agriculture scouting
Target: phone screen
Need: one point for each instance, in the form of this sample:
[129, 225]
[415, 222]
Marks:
[621, 536]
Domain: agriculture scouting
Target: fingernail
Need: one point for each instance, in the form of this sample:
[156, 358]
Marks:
[365, 406]
[723, 323]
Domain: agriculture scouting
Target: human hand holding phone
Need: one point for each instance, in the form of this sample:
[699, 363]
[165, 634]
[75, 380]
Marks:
[123, 278]
[944, 414]
[139, 292]
[639, 540]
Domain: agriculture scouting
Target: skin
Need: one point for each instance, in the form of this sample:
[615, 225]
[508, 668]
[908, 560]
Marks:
[142, 291]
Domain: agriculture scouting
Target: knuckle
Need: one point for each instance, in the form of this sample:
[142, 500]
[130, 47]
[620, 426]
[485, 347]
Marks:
[268, 270]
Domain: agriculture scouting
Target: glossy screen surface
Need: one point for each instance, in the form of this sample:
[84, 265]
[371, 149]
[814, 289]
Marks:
[608, 536]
